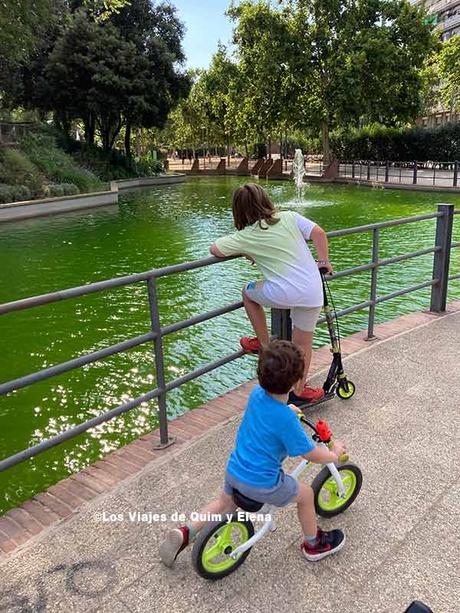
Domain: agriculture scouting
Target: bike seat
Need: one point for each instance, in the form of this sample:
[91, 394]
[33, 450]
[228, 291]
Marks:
[245, 503]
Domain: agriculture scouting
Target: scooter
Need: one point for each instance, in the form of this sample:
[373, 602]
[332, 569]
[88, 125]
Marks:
[336, 382]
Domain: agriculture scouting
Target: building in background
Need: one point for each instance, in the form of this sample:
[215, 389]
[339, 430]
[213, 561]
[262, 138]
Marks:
[445, 14]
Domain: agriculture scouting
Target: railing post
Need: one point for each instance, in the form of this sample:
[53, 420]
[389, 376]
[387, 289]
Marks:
[441, 258]
[414, 178]
[353, 169]
[455, 173]
[165, 440]
[281, 324]
[369, 170]
[373, 293]
[387, 171]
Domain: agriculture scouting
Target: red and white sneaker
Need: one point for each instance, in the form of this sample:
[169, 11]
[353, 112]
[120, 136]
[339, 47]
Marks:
[176, 540]
[250, 344]
[326, 544]
[311, 394]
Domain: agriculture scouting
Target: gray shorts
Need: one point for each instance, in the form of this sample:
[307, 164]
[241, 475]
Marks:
[303, 318]
[284, 492]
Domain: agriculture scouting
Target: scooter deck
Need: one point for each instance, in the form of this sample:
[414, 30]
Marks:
[304, 405]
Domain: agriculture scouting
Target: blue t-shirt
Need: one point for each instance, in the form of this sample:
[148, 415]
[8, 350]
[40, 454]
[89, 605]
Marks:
[269, 432]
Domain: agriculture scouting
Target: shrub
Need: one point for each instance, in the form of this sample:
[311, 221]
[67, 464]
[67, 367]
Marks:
[6, 193]
[17, 169]
[14, 193]
[111, 165]
[55, 190]
[56, 164]
[376, 142]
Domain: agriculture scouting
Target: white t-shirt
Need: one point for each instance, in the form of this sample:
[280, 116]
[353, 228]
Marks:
[280, 252]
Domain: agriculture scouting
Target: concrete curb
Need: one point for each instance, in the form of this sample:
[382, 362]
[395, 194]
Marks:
[27, 209]
[67, 497]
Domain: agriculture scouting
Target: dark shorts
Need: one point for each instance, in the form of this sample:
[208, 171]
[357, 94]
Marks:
[284, 492]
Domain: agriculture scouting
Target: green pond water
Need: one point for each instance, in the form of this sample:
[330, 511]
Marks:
[149, 229]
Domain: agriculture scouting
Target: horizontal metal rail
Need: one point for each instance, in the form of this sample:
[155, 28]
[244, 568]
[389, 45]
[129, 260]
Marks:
[198, 319]
[443, 174]
[397, 258]
[52, 371]
[156, 273]
[99, 286]
[442, 248]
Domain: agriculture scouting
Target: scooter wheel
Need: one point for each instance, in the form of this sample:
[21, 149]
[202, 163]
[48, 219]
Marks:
[212, 548]
[344, 393]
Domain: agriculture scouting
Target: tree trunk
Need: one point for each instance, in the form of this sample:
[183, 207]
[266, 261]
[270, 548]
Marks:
[90, 130]
[128, 139]
[325, 142]
[269, 149]
[228, 151]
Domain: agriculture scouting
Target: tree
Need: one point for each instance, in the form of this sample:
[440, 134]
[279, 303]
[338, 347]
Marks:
[261, 93]
[327, 63]
[122, 71]
[189, 119]
[157, 35]
[216, 85]
[448, 62]
[21, 23]
[365, 60]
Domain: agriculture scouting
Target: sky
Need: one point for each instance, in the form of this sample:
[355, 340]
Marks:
[206, 24]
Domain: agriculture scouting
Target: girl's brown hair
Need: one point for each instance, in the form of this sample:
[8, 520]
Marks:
[251, 204]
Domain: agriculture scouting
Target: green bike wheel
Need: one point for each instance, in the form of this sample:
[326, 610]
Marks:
[328, 503]
[214, 543]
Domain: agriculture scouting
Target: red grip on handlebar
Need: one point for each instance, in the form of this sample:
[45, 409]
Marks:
[323, 431]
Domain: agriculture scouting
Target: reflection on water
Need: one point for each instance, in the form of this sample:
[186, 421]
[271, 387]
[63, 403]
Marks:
[150, 229]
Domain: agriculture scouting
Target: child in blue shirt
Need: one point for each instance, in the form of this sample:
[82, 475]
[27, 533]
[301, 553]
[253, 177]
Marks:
[269, 432]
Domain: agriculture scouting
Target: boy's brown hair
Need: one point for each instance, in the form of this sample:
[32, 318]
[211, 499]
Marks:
[281, 364]
[250, 204]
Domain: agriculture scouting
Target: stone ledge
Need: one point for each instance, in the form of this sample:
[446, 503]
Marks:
[64, 499]
[27, 209]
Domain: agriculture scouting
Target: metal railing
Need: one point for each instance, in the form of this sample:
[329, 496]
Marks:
[433, 173]
[280, 320]
[11, 132]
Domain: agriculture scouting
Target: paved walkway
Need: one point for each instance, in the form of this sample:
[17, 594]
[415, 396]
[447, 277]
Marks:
[402, 532]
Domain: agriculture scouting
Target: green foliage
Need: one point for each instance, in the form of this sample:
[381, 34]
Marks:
[17, 169]
[111, 165]
[102, 10]
[14, 193]
[21, 24]
[449, 72]
[261, 101]
[328, 63]
[55, 164]
[377, 142]
[55, 190]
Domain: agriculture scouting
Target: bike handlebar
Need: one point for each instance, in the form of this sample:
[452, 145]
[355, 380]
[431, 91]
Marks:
[322, 432]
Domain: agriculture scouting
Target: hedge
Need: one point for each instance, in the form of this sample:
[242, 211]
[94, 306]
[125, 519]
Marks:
[398, 144]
